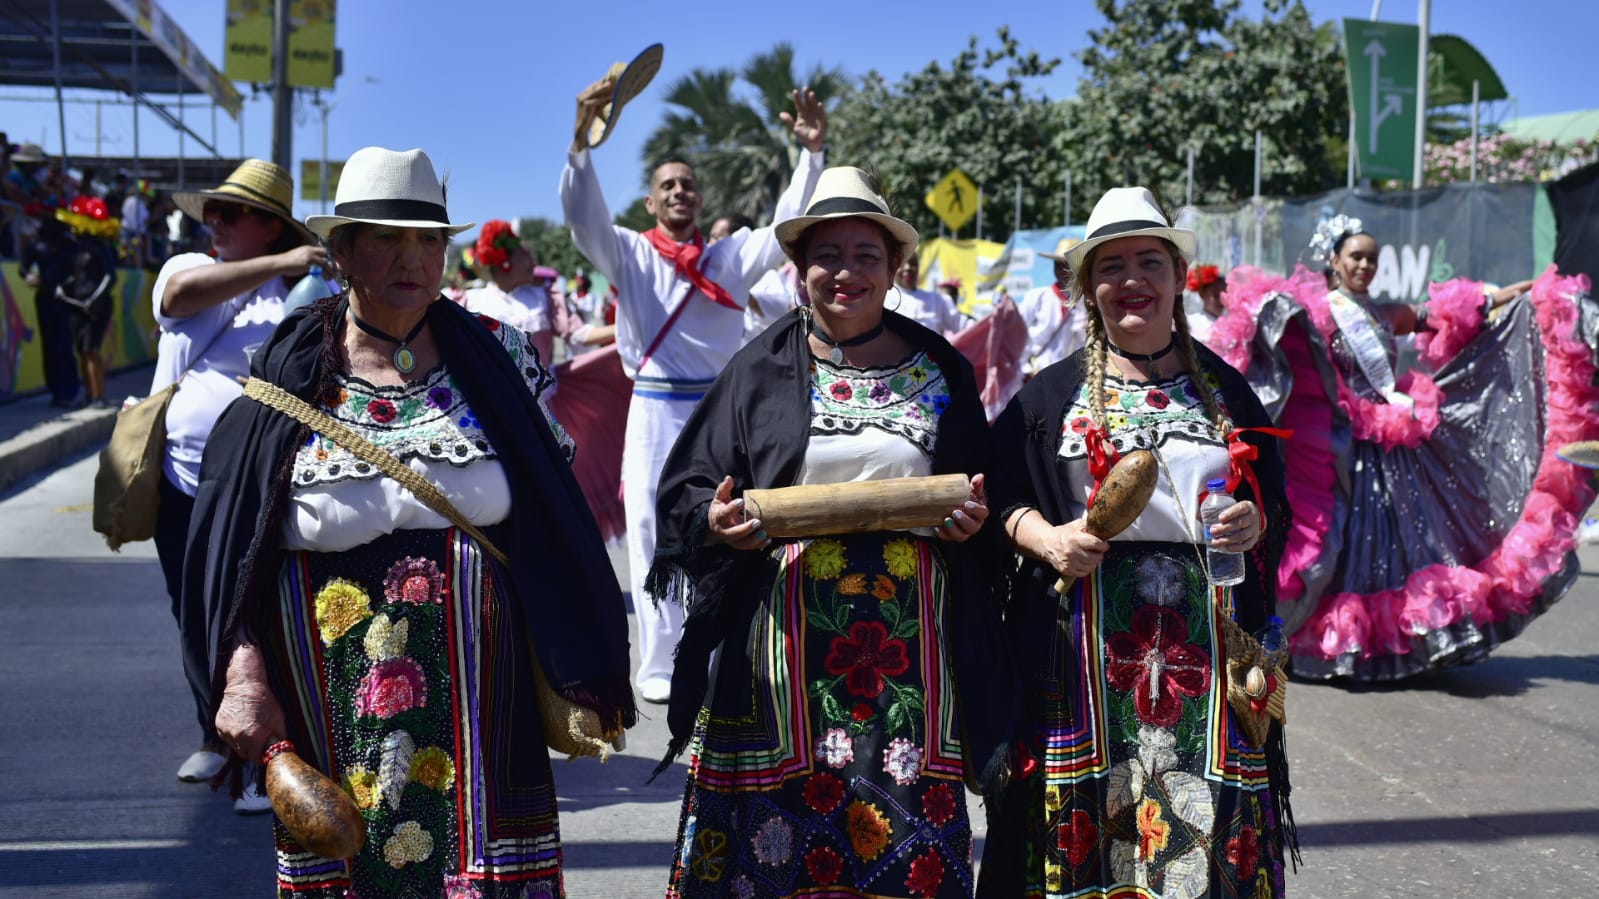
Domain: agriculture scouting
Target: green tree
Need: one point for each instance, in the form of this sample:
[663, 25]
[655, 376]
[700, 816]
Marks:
[742, 154]
[978, 114]
[1165, 75]
[552, 245]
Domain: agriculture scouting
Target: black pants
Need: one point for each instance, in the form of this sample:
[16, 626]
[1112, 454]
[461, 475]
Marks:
[55, 346]
[171, 533]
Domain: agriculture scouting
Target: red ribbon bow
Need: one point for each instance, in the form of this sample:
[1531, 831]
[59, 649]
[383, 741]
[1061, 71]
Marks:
[1102, 456]
[686, 258]
[1240, 454]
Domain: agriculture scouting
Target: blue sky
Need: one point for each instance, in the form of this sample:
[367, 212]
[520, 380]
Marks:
[487, 88]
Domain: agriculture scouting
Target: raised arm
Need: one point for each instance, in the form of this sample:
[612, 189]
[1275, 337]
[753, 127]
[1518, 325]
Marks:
[808, 123]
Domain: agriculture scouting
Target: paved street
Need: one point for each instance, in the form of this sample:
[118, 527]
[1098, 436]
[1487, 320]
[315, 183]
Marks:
[1477, 782]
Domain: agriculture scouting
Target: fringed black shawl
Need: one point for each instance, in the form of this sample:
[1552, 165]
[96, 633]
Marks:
[1027, 472]
[754, 424]
[561, 585]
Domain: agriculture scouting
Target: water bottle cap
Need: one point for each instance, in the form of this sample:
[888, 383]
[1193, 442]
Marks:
[316, 269]
[1275, 620]
[1216, 485]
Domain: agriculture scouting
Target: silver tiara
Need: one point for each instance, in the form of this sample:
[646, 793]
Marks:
[1324, 243]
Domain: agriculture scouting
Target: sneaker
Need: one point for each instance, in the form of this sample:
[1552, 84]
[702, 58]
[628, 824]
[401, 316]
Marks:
[657, 690]
[201, 766]
[253, 801]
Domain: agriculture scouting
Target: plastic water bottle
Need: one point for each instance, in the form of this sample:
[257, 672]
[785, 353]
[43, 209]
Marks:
[310, 289]
[1226, 568]
[1273, 643]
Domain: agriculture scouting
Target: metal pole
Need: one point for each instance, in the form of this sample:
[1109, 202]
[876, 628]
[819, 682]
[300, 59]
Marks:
[1258, 151]
[1376, 9]
[323, 164]
[1067, 218]
[1423, 22]
[282, 96]
[1017, 225]
[55, 54]
[133, 51]
[979, 213]
[1190, 201]
[1256, 203]
[97, 127]
[1349, 182]
[182, 182]
[1476, 100]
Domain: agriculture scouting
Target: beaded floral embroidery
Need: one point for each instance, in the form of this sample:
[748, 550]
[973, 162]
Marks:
[1140, 415]
[904, 400]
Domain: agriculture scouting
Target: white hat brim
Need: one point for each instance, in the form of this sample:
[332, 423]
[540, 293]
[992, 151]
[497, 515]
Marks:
[790, 231]
[1187, 244]
[323, 225]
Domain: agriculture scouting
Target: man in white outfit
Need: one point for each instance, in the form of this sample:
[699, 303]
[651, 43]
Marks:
[680, 318]
[928, 308]
[1056, 323]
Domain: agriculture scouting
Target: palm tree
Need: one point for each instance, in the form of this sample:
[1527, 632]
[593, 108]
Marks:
[742, 154]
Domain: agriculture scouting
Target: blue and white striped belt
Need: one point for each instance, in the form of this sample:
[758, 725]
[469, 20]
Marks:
[671, 388]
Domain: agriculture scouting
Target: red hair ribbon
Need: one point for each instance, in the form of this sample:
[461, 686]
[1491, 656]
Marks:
[1102, 456]
[1240, 454]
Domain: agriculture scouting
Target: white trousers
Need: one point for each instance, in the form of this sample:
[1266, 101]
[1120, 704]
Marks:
[652, 427]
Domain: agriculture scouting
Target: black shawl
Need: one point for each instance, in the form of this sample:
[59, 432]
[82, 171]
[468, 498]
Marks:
[1027, 472]
[561, 587]
[754, 424]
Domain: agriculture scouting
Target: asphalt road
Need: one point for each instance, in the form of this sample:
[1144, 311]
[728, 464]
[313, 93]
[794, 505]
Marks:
[1475, 782]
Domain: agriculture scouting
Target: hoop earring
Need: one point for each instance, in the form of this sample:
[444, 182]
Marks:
[899, 298]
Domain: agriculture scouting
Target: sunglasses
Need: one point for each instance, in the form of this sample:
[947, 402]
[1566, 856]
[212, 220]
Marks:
[225, 212]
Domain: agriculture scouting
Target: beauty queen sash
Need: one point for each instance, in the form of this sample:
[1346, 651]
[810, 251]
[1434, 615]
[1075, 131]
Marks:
[1360, 331]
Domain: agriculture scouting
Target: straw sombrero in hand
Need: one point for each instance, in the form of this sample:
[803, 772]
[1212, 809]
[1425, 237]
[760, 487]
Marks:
[630, 81]
[1584, 453]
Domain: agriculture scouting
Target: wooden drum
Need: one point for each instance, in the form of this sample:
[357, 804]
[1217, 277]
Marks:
[856, 507]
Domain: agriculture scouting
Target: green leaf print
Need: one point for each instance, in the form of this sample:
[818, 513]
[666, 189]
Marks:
[819, 621]
[832, 711]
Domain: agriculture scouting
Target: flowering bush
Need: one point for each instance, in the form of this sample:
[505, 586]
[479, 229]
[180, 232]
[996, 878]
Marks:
[1505, 158]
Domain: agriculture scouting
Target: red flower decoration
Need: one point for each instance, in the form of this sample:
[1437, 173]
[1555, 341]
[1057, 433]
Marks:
[1201, 275]
[861, 712]
[382, 411]
[824, 793]
[391, 687]
[938, 805]
[927, 874]
[824, 865]
[1077, 837]
[1156, 662]
[1243, 852]
[841, 391]
[1157, 399]
[1082, 424]
[865, 656]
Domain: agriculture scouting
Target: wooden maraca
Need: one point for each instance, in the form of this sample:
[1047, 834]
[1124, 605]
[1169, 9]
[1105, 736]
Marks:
[316, 812]
[1121, 498]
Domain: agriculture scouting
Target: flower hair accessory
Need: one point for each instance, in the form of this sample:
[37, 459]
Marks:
[495, 244]
[1324, 243]
[1203, 275]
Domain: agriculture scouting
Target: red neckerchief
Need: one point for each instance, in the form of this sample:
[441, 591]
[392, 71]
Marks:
[1240, 454]
[685, 257]
[1065, 300]
[1102, 456]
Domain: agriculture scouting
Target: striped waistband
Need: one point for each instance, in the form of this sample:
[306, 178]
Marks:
[671, 388]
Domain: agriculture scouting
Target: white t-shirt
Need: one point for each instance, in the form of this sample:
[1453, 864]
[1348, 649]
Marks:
[226, 334]
[526, 308]
[927, 308]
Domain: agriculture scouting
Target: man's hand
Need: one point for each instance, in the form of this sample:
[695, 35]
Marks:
[590, 101]
[809, 120]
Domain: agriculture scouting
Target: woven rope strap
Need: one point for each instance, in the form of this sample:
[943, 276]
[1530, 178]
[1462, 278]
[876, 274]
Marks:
[269, 394]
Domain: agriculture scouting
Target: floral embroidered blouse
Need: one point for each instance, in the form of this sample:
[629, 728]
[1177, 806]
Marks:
[338, 501]
[873, 423]
[1168, 416]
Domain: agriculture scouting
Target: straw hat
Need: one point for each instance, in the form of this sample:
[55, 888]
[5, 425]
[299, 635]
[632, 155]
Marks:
[1129, 212]
[255, 183]
[29, 153]
[1583, 452]
[845, 192]
[1066, 243]
[630, 81]
[388, 187]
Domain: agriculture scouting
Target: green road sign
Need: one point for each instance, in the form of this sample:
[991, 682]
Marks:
[1381, 59]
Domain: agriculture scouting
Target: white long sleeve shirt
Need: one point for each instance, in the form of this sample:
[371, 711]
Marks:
[706, 334]
[1051, 335]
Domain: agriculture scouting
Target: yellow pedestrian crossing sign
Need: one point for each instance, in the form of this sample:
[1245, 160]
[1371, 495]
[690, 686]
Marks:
[954, 199]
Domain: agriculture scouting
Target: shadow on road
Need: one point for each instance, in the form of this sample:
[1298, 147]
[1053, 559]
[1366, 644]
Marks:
[1498, 676]
[1476, 829]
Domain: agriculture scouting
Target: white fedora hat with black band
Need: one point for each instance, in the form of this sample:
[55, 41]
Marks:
[388, 187]
[845, 192]
[1129, 212]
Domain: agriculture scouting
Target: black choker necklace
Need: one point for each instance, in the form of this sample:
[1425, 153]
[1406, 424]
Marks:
[1141, 357]
[404, 359]
[837, 353]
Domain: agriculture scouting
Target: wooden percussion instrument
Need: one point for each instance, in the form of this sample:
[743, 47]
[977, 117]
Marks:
[317, 813]
[856, 507]
[1120, 500]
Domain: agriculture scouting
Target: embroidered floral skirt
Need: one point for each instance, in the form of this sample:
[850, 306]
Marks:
[399, 652]
[1152, 790]
[843, 777]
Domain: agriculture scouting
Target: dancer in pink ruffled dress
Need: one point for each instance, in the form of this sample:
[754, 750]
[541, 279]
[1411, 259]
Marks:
[1432, 518]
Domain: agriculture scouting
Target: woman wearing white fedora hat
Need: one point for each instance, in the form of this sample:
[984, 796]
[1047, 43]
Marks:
[1154, 779]
[859, 679]
[214, 310]
[388, 629]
